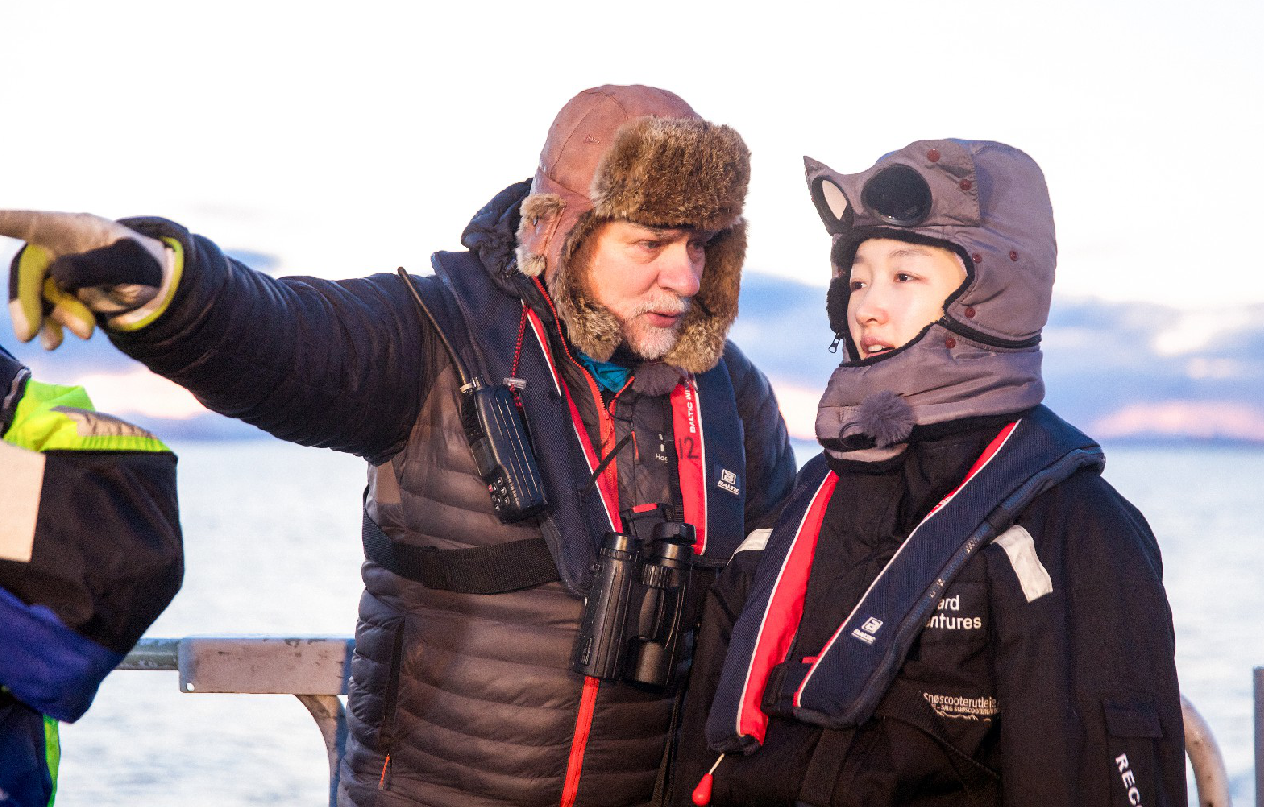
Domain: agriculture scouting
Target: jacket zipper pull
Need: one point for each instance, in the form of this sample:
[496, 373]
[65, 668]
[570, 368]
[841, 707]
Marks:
[382, 782]
[702, 793]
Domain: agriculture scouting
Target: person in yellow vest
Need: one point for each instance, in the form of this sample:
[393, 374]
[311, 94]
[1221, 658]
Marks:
[90, 554]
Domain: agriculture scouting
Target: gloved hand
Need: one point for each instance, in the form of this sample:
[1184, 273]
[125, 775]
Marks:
[76, 265]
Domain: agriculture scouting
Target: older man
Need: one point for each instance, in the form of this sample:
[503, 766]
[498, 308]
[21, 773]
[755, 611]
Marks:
[563, 386]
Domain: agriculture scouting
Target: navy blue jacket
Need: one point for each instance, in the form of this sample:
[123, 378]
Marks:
[456, 698]
[1046, 676]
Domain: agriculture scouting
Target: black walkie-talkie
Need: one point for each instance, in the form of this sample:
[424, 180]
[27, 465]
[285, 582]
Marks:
[502, 453]
[497, 436]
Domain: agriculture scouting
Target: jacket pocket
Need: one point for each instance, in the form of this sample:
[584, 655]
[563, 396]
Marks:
[1132, 735]
[386, 733]
[915, 721]
[375, 670]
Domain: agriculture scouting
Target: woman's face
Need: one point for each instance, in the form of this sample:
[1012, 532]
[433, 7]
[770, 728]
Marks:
[897, 289]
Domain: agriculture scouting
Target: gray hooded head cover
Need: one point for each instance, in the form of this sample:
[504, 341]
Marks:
[988, 203]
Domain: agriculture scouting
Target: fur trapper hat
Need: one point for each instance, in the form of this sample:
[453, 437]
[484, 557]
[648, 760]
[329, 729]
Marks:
[637, 154]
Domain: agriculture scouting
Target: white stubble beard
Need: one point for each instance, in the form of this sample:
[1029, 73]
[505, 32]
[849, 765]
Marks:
[648, 341]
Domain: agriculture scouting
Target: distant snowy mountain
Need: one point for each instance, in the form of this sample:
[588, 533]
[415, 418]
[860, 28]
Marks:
[1119, 371]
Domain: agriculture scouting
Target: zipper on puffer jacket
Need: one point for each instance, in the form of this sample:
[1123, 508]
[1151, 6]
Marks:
[386, 734]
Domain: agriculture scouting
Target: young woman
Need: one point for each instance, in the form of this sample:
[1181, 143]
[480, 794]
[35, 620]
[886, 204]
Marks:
[954, 608]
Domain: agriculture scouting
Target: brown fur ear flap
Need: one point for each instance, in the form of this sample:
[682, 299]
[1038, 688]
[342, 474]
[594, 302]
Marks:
[590, 326]
[714, 307]
[541, 213]
[542, 205]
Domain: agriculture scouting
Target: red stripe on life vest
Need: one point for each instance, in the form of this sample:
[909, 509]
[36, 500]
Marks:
[537, 327]
[691, 458]
[608, 482]
[583, 727]
[992, 447]
[782, 614]
[988, 453]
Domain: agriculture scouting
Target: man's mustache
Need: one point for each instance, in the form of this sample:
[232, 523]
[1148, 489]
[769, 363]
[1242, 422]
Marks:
[668, 304]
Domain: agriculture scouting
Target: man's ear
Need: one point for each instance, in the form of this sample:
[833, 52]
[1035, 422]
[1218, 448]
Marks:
[541, 214]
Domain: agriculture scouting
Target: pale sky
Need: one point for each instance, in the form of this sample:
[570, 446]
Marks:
[346, 139]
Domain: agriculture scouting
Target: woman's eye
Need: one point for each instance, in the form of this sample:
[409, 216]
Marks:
[904, 277]
[857, 285]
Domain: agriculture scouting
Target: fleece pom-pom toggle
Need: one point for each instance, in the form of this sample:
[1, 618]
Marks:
[884, 416]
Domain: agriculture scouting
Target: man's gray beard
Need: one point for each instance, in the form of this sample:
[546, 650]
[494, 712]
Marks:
[649, 342]
[651, 346]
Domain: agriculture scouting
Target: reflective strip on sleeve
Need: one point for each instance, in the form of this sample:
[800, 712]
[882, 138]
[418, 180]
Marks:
[52, 417]
[755, 541]
[22, 473]
[52, 753]
[1021, 551]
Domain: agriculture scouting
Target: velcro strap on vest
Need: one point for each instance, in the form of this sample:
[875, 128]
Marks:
[494, 569]
[825, 767]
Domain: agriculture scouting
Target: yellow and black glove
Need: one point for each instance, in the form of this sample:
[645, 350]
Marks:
[76, 266]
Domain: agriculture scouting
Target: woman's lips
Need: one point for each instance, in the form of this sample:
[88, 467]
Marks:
[873, 347]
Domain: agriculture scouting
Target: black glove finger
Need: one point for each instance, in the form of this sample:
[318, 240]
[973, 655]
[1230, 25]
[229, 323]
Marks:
[125, 262]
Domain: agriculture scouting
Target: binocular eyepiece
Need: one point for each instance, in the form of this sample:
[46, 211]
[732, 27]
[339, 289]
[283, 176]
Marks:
[633, 626]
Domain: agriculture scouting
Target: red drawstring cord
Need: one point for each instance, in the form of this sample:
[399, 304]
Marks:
[513, 371]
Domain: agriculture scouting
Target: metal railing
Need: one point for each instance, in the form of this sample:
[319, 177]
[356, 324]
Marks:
[1259, 737]
[315, 669]
[1211, 781]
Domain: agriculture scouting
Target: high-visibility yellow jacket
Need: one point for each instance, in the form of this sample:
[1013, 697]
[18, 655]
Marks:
[90, 555]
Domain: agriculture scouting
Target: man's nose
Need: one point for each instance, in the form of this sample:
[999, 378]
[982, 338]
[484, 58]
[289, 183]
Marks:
[680, 270]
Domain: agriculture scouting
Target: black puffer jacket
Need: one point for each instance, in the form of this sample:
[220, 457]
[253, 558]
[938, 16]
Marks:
[470, 697]
[1012, 694]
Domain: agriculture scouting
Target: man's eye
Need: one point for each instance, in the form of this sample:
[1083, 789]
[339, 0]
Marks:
[857, 285]
[651, 245]
[904, 277]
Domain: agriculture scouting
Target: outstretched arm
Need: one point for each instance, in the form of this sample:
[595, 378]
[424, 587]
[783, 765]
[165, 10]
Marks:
[334, 364]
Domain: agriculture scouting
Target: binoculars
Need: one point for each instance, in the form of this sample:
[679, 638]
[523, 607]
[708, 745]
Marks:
[634, 625]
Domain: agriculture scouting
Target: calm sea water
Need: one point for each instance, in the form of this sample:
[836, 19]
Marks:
[272, 546]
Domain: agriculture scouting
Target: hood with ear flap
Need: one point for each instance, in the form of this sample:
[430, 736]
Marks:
[637, 154]
[988, 203]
